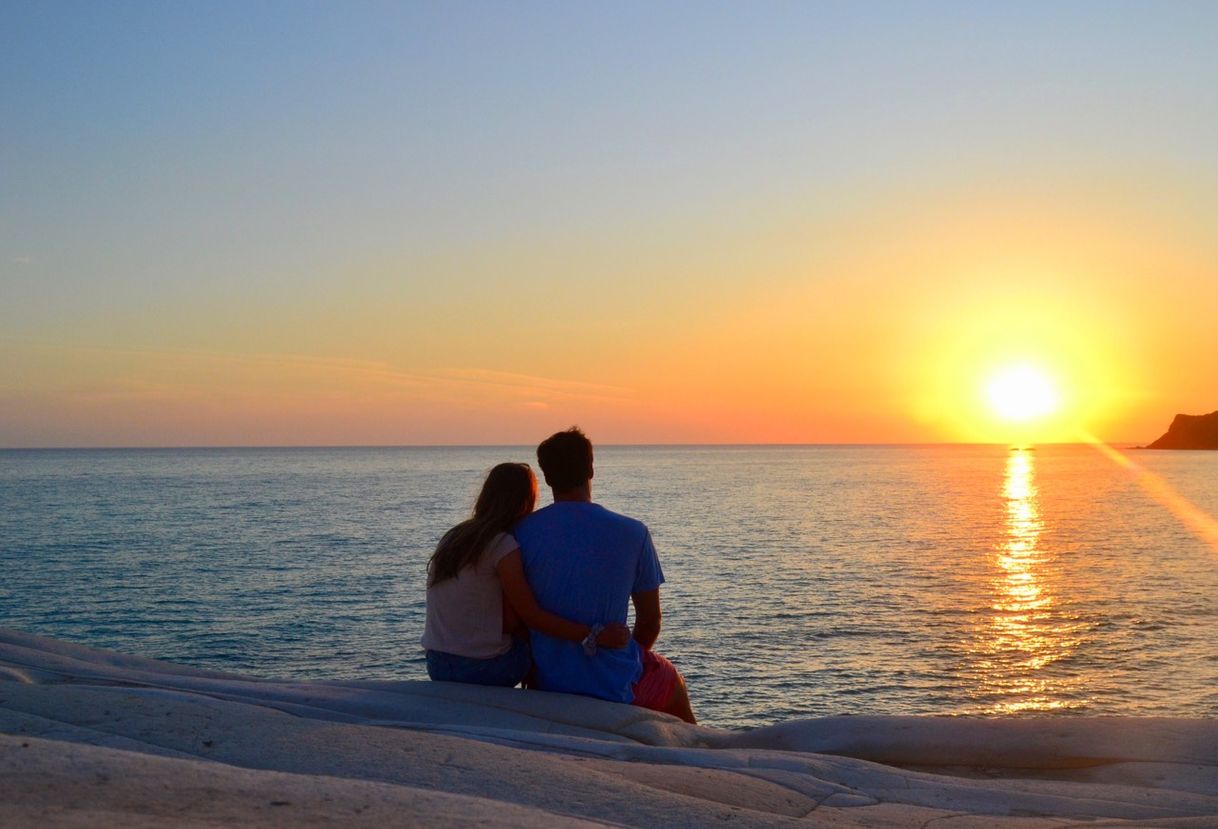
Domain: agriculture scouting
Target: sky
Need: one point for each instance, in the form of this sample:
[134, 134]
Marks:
[475, 223]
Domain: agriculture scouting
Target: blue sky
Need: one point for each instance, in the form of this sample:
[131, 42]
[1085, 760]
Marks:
[218, 175]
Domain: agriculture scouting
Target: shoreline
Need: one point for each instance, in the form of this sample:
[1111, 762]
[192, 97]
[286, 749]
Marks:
[93, 737]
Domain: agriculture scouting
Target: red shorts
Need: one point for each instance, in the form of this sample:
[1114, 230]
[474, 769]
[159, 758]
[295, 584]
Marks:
[655, 687]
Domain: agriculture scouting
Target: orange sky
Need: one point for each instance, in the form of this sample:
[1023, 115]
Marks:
[774, 259]
[885, 332]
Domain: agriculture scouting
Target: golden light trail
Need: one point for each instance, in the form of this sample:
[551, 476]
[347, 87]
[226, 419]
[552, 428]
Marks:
[1024, 638]
[1196, 519]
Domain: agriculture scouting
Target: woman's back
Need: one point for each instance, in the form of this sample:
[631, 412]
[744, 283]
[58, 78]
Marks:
[465, 612]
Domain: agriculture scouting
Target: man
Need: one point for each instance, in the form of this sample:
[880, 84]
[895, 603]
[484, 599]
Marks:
[585, 563]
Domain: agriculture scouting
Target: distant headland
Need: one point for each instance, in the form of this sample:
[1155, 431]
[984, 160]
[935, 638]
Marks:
[1190, 432]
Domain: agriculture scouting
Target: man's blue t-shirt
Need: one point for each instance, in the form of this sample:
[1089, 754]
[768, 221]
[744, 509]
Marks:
[583, 563]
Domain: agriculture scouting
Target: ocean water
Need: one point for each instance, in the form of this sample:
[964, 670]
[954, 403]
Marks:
[801, 581]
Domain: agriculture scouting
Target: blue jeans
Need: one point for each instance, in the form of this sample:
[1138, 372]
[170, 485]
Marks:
[506, 670]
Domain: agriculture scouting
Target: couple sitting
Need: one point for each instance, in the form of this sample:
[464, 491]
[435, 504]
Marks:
[566, 573]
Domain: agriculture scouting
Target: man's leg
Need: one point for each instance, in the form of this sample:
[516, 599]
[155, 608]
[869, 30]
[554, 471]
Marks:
[662, 688]
[678, 704]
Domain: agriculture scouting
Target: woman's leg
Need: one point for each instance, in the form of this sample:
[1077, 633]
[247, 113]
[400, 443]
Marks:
[505, 670]
[440, 667]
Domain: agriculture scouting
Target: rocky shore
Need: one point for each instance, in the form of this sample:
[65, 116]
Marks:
[95, 738]
[1189, 432]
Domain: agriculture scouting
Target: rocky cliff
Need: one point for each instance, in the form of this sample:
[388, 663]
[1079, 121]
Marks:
[1190, 432]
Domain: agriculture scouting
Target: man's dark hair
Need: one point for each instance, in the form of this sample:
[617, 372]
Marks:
[566, 459]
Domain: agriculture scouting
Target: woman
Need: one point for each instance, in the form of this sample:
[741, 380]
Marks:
[476, 566]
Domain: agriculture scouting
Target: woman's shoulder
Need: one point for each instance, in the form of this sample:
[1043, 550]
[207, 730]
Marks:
[500, 546]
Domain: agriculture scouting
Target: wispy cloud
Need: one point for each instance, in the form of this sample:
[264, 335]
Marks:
[544, 386]
[102, 372]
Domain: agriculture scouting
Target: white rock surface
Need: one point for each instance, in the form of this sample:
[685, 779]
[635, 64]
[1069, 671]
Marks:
[95, 738]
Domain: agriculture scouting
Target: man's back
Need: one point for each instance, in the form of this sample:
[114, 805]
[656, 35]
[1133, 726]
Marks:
[584, 562]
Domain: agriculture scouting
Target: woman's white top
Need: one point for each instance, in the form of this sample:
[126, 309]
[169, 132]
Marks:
[465, 613]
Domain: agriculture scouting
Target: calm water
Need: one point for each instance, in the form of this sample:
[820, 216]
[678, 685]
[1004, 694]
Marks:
[801, 581]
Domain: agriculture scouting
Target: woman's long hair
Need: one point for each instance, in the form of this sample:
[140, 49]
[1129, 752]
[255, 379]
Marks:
[509, 494]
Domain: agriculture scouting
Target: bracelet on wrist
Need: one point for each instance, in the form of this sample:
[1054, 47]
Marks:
[589, 642]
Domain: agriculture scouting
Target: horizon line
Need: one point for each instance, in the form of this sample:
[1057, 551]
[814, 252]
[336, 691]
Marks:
[757, 444]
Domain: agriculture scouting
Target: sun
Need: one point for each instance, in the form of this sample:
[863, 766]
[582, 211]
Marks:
[1021, 393]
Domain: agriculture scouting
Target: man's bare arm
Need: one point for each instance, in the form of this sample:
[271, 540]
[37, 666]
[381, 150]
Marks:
[646, 617]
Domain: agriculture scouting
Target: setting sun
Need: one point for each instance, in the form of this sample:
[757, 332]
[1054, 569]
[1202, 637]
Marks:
[1021, 393]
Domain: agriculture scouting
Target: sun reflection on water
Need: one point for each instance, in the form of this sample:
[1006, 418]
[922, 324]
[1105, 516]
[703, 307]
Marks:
[1026, 635]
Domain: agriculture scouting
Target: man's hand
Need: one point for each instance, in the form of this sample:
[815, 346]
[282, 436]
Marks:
[615, 635]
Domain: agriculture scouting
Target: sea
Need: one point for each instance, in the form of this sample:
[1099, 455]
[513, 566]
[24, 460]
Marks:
[802, 581]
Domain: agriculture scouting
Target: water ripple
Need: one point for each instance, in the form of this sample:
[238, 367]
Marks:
[801, 581]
